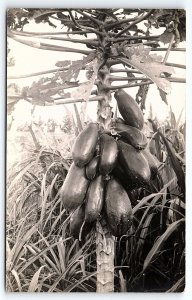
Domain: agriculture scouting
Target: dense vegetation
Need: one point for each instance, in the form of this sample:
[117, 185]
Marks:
[42, 255]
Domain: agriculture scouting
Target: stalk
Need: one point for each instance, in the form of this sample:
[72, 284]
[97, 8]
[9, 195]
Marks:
[104, 240]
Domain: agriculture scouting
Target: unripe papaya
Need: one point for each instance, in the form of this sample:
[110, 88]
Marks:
[131, 135]
[74, 188]
[76, 223]
[91, 168]
[153, 163]
[134, 164]
[129, 109]
[119, 120]
[118, 208]
[119, 174]
[85, 145]
[94, 199]
[108, 155]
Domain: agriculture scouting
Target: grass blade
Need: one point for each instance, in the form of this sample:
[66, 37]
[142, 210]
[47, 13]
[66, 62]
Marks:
[15, 274]
[34, 282]
[178, 286]
[153, 253]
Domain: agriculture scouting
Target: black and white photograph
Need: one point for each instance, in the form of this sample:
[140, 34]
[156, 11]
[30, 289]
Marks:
[95, 150]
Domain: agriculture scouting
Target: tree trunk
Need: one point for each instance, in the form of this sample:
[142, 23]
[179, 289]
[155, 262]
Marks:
[104, 239]
[105, 259]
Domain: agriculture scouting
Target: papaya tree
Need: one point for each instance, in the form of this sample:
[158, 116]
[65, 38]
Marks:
[110, 41]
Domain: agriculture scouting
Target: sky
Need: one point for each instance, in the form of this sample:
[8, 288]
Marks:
[30, 60]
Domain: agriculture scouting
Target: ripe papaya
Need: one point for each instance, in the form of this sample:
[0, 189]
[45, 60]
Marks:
[129, 109]
[108, 154]
[118, 208]
[134, 164]
[153, 163]
[77, 223]
[131, 135]
[94, 199]
[85, 145]
[91, 168]
[74, 188]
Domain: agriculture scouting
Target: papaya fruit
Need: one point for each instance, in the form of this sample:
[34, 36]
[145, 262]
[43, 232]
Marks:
[153, 163]
[119, 120]
[85, 145]
[77, 223]
[91, 168]
[129, 109]
[119, 174]
[74, 188]
[94, 199]
[134, 164]
[131, 135]
[108, 155]
[118, 208]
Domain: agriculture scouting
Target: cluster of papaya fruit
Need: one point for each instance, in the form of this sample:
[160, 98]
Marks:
[105, 166]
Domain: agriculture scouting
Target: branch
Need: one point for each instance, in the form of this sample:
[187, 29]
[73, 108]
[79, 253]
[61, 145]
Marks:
[143, 17]
[171, 79]
[172, 49]
[116, 87]
[131, 37]
[26, 33]
[44, 46]
[111, 26]
[168, 49]
[92, 42]
[119, 78]
[112, 62]
[38, 73]
[97, 22]
[178, 80]
[118, 70]
[96, 98]
[40, 14]
[176, 65]
[85, 27]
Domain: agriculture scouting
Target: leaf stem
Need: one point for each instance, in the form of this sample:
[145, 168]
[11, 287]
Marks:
[178, 80]
[131, 37]
[26, 33]
[116, 87]
[60, 101]
[138, 20]
[98, 33]
[92, 42]
[97, 22]
[172, 49]
[119, 78]
[37, 73]
[169, 49]
[111, 26]
[45, 46]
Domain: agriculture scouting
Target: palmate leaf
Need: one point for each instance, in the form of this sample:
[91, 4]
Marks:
[75, 67]
[149, 65]
[84, 89]
[166, 36]
[155, 250]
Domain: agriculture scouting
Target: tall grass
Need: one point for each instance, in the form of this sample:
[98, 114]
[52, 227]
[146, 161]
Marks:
[41, 256]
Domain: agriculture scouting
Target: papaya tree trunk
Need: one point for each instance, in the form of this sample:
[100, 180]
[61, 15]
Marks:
[105, 258]
[104, 239]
